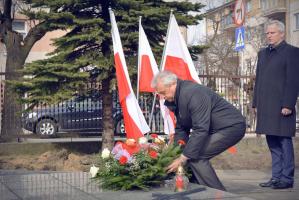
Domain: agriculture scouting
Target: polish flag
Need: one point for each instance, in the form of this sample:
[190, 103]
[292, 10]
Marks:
[135, 124]
[168, 116]
[177, 58]
[147, 69]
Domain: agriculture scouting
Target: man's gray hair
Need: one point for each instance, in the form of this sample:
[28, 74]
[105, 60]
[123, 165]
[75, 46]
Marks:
[164, 77]
[279, 24]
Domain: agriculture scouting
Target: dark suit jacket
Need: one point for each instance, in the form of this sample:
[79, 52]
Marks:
[276, 87]
[199, 108]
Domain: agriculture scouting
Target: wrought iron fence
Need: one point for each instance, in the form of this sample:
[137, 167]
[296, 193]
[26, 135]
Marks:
[85, 115]
[236, 89]
[2, 78]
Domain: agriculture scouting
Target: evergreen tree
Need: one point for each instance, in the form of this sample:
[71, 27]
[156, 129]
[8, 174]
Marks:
[18, 47]
[88, 44]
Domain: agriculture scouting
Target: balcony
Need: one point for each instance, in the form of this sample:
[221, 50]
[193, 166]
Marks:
[274, 8]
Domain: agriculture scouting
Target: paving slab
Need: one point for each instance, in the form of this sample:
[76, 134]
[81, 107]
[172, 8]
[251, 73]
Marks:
[78, 186]
[246, 183]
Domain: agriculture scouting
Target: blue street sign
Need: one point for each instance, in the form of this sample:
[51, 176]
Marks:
[240, 35]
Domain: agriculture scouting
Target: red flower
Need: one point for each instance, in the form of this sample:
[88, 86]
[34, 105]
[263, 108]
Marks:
[181, 142]
[154, 135]
[153, 154]
[123, 160]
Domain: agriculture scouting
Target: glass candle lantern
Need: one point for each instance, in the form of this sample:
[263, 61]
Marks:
[181, 181]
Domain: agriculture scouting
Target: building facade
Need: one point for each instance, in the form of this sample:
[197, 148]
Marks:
[220, 23]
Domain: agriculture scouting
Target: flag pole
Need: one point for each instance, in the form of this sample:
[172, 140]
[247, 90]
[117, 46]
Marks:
[161, 64]
[165, 45]
[138, 64]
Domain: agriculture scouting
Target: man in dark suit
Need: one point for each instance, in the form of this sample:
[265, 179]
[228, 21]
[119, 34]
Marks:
[274, 100]
[205, 121]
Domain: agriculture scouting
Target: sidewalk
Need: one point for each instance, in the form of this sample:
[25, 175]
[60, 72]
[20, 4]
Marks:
[241, 185]
[245, 183]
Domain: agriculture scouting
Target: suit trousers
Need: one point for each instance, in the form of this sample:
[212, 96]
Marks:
[215, 144]
[282, 154]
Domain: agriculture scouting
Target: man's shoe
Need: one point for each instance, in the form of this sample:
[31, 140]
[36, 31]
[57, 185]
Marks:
[270, 183]
[282, 185]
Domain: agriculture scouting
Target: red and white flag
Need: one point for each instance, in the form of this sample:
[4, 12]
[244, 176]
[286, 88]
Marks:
[135, 124]
[177, 58]
[168, 116]
[147, 66]
[147, 69]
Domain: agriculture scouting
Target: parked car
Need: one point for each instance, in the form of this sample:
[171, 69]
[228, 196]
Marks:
[75, 115]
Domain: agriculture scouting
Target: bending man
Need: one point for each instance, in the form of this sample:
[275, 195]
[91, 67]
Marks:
[205, 121]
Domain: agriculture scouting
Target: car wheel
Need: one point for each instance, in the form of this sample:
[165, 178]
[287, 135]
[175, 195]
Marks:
[120, 127]
[46, 127]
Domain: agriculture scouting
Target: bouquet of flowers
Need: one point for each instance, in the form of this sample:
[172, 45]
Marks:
[135, 164]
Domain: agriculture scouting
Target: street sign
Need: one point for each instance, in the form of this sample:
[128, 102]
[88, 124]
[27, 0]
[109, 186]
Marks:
[239, 12]
[239, 36]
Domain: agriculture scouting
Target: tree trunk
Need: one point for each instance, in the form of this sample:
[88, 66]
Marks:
[108, 128]
[12, 109]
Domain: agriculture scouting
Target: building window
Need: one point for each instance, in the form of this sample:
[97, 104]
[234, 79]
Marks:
[227, 20]
[274, 3]
[248, 6]
[297, 20]
[264, 4]
[20, 27]
[248, 34]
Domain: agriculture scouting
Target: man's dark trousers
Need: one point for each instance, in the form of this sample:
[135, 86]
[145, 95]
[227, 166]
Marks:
[215, 144]
[282, 153]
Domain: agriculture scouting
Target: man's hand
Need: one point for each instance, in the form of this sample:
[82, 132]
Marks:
[286, 111]
[176, 163]
[171, 138]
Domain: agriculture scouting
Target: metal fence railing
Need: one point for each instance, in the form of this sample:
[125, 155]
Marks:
[85, 115]
[236, 89]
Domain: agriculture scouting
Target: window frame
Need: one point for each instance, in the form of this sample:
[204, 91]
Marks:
[296, 21]
[24, 31]
[248, 6]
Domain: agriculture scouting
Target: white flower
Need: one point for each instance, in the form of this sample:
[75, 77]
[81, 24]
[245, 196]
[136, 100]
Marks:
[105, 153]
[142, 140]
[131, 142]
[160, 140]
[93, 171]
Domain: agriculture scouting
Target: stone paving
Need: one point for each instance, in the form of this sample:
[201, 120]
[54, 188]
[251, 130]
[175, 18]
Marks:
[27, 185]
[245, 183]
[32, 185]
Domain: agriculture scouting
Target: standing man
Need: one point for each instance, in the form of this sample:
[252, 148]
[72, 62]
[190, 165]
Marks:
[206, 122]
[275, 95]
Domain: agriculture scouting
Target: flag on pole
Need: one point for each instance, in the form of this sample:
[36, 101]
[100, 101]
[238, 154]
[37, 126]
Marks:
[147, 69]
[176, 57]
[135, 124]
[168, 116]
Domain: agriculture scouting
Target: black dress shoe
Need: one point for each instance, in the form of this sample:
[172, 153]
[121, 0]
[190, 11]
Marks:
[270, 183]
[282, 185]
